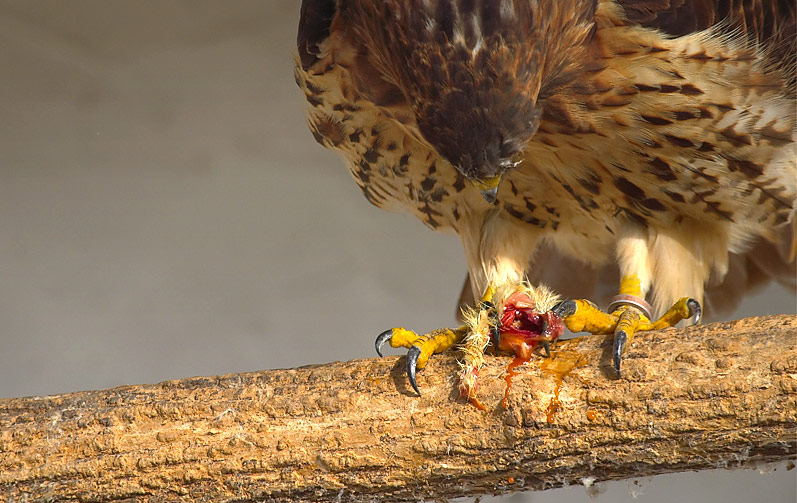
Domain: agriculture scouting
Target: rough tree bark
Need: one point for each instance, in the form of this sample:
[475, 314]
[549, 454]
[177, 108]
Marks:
[721, 395]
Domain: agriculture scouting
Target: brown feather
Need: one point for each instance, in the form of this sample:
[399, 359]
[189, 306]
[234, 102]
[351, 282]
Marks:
[769, 21]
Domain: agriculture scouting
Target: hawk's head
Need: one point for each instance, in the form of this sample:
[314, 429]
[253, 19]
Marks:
[475, 72]
[480, 122]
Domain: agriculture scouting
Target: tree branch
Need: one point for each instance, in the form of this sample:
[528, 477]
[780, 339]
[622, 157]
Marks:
[705, 397]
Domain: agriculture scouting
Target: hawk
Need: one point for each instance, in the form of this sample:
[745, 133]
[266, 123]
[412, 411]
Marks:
[568, 142]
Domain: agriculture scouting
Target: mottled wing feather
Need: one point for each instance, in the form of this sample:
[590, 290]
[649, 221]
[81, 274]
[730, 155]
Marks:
[768, 21]
[692, 186]
[314, 24]
[765, 20]
[676, 17]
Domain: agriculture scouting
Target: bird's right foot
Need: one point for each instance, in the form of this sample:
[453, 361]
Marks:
[420, 347]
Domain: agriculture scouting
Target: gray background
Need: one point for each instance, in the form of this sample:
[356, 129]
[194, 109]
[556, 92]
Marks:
[165, 213]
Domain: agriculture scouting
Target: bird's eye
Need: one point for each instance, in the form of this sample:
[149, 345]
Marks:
[507, 149]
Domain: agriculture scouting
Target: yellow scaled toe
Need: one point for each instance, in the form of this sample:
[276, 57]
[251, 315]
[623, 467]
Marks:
[587, 317]
[624, 322]
[684, 309]
[434, 342]
[421, 347]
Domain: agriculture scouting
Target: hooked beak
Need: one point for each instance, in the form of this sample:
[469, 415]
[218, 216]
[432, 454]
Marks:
[490, 195]
[488, 188]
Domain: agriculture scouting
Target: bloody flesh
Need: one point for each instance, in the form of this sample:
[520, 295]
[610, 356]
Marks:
[522, 328]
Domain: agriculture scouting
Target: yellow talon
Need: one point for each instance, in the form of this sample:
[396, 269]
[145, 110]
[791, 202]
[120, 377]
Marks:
[629, 316]
[684, 309]
[421, 347]
[630, 285]
[434, 342]
[587, 317]
[403, 338]
[489, 292]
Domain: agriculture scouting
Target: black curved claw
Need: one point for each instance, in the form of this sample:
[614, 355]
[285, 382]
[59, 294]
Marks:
[547, 348]
[412, 364]
[620, 339]
[697, 312]
[495, 337]
[564, 309]
[382, 339]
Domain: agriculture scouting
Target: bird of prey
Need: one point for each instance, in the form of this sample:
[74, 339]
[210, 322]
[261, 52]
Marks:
[566, 142]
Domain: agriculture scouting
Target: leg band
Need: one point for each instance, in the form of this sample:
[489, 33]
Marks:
[630, 300]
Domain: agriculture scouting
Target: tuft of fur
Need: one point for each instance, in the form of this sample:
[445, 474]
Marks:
[478, 323]
[473, 346]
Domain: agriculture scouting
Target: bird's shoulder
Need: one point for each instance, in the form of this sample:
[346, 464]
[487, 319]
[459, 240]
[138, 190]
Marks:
[762, 20]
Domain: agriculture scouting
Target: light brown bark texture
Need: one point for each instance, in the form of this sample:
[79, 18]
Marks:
[721, 395]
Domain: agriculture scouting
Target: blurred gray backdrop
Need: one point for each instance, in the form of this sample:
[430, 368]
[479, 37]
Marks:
[165, 213]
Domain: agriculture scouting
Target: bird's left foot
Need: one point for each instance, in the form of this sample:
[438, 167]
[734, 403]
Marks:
[628, 314]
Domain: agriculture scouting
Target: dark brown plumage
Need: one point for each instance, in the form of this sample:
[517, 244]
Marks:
[762, 19]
